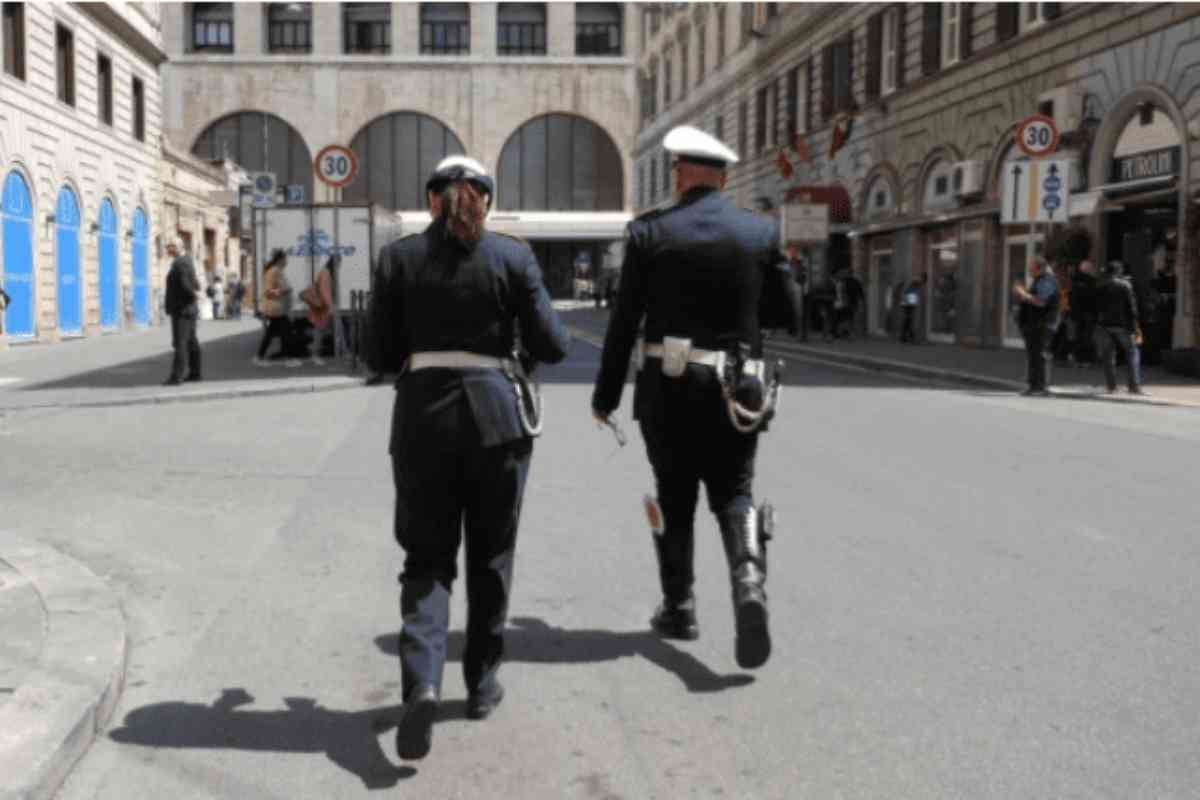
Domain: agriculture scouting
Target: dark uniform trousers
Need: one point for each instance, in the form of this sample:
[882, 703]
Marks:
[458, 493]
[1038, 336]
[690, 440]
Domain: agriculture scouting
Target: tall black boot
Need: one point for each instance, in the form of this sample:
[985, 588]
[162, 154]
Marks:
[747, 556]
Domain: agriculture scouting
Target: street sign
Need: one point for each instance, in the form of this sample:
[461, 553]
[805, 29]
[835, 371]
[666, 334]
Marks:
[293, 193]
[262, 189]
[1035, 191]
[1037, 136]
[336, 165]
[804, 223]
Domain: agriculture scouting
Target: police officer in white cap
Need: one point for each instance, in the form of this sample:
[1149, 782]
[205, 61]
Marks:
[705, 277]
[445, 310]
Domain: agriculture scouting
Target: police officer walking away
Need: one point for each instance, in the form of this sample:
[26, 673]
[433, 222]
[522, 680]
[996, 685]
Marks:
[1038, 319]
[445, 311]
[180, 305]
[706, 277]
[1117, 314]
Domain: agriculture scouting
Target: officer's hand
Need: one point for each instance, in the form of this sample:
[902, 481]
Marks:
[600, 416]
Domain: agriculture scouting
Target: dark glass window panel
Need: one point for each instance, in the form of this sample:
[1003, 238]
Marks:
[521, 29]
[104, 80]
[14, 39]
[259, 142]
[368, 27]
[212, 26]
[598, 29]
[562, 162]
[139, 110]
[445, 28]
[535, 180]
[396, 154]
[65, 64]
[560, 157]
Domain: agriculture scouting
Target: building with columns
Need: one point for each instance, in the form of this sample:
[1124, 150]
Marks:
[901, 119]
[542, 93]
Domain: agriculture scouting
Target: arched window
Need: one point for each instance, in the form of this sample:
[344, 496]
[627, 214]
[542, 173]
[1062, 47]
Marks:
[259, 142]
[396, 154]
[560, 162]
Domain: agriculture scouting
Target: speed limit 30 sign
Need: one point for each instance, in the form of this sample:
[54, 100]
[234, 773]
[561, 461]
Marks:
[336, 165]
[1037, 136]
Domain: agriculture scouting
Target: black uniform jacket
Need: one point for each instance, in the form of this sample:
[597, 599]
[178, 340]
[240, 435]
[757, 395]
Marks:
[703, 270]
[182, 285]
[429, 295]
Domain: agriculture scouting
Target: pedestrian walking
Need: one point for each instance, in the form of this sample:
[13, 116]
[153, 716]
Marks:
[322, 312]
[910, 301]
[1117, 315]
[444, 308]
[276, 307]
[181, 305]
[217, 295]
[1038, 318]
[706, 277]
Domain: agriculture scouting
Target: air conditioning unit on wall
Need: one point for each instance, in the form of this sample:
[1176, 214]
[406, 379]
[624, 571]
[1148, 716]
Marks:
[1064, 105]
[966, 178]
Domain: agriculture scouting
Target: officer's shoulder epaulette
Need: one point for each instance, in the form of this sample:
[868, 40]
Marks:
[653, 213]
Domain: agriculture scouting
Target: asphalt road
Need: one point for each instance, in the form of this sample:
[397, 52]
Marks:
[974, 595]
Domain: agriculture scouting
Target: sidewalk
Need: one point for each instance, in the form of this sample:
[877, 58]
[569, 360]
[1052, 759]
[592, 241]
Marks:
[937, 363]
[129, 368]
[62, 665]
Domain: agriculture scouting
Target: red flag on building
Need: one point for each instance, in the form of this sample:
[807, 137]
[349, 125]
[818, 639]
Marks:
[842, 127]
[782, 164]
[800, 143]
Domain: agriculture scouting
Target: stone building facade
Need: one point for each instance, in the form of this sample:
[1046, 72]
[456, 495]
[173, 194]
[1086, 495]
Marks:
[541, 93]
[901, 119]
[79, 167]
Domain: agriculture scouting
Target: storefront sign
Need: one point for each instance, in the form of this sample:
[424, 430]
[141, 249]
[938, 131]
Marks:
[804, 223]
[1154, 164]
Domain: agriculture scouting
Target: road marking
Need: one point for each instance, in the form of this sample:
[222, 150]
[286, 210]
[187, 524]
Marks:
[5, 381]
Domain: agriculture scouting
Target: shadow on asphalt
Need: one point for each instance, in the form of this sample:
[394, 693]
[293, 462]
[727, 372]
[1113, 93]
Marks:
[347, 738]
[227, 358]
[531, 640]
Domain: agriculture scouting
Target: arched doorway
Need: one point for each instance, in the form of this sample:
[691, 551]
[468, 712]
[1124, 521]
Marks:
[396, 154]
[107, 247]
[141, 272]
[66, 240]
[259, 142]
[564, 163]
[16, 213]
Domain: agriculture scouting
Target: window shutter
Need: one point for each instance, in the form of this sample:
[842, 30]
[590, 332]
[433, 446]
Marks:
[964, 29]
[931, 38]
[901, 44]
[827, 83]
[1007, 17]
[874, 55]
[1051, 10]
[808, 95]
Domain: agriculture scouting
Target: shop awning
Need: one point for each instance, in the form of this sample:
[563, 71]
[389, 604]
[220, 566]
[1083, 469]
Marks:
[833, 195]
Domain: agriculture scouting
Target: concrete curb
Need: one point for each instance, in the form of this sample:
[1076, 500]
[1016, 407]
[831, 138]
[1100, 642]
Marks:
[56, 713]
[192, 397]
[888, 366]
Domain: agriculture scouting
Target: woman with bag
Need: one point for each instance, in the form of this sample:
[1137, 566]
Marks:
[321, 311]
[277, 304]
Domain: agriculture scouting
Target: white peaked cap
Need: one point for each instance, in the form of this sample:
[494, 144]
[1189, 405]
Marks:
[466, 162]
[694, 144]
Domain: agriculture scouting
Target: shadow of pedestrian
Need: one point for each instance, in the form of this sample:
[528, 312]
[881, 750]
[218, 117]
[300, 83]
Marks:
[531, 640]
[348, 739]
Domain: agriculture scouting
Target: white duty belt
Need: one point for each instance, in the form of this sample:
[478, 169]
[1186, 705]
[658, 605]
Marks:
[707, 358]
[457, 359]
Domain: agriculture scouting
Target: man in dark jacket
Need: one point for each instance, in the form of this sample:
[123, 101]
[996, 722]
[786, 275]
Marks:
[180, 305]
[1117, 313]
[1038, 321]
[445, 311]
[706, 277]
[1083, 311]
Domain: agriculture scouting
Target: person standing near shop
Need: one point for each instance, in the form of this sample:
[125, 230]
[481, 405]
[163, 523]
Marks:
[276, 308]
[445, 311]
[1038, 318]
[910, 301]
[181, 305]
[706, 277]
[1117, 314]
[1083, 310]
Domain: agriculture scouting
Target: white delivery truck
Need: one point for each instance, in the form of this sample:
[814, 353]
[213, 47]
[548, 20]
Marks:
[310, 234]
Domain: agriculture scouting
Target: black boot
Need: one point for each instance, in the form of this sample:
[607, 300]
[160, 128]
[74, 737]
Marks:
[747, 556]
[676, 620]
[676, 617]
